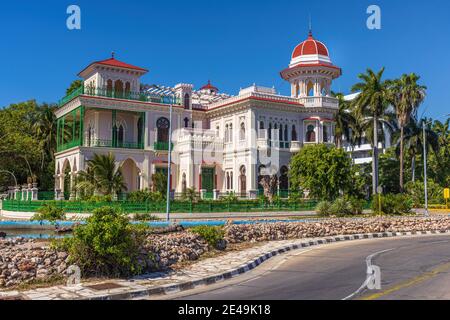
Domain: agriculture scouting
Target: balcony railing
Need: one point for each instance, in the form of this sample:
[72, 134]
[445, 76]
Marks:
[102, 143]
[127, 95]
[162, 146]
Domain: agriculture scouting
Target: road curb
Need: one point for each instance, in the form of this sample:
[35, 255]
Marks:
[250, 265]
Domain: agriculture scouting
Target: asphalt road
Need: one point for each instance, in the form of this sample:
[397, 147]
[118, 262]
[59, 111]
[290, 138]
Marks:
[411, 268]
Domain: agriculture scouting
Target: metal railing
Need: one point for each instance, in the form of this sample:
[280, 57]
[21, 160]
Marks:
[127, 95]
[162, 146]
[114, 144]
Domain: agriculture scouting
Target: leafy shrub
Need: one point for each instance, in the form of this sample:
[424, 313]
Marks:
[107, 245]
[100, 198]
[190, 195]
[212, 235]
[230, 197]
[416, 191]
[144, 196]
[145, 217]
[323, 208]
[356, 205]
[49, 212]
[341, 207]
[392, 204]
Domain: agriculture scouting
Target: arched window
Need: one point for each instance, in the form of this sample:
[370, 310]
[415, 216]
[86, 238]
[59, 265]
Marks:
[231, 180]
[261, 125]
[270, 131]
[187, 101]
[186, 122]
[226, 133]
[118, 89]
[109, 88]
[228, 181]
[280, 133]
[286, 132]
[183, 183]
[163, 126]
[242, 132]
[242, 180]
[310, 89]
[127, 89]
[294, 134]
[120, 136]
[325, 133]
[310, 134]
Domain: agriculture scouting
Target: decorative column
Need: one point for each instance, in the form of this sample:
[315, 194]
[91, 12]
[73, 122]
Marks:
[34, 192]
[73, 176]
[24, 192]
[17, 193]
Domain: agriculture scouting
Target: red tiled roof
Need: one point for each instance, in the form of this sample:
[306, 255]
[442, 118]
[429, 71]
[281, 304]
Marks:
[209, 86]
[116, 63]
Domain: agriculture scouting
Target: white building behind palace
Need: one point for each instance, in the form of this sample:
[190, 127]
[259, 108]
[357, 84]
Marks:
[220, 142]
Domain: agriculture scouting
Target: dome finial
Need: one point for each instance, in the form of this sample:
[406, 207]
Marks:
[310, 27]
[113, 54]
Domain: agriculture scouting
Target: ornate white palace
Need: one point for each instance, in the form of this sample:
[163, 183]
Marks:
[220, 142]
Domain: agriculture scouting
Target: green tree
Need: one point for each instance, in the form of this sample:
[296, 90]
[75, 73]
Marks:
[102, 175]
[324, 171]
[406, 96]
[372, 101]
[413, 141]
[74, 86]
[344, 120]
[159, 182]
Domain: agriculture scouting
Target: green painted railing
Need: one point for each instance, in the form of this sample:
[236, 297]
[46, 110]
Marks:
[115, 144]
[160, 207]
[137, 96]
[71, 144]
[162, 146]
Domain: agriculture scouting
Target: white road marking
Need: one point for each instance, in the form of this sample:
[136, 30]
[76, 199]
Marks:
[369, 264]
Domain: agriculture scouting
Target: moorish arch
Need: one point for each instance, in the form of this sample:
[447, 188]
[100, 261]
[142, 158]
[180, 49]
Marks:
[131, 174]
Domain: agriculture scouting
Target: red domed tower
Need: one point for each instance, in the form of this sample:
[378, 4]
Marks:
[311, 70]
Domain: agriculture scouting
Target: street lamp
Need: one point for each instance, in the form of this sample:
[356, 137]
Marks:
[425, 167]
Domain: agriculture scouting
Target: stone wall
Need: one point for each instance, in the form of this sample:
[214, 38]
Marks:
[22, 261]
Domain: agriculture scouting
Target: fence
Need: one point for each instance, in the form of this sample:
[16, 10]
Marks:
[160, 207]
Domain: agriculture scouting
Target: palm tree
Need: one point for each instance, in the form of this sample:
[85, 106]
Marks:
[372, 102]
[406, 96]
[344, 120]
[413, 141]
[443, 131]
[102, 175]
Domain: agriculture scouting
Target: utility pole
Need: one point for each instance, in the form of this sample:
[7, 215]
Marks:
[169, 162]
[425, 168]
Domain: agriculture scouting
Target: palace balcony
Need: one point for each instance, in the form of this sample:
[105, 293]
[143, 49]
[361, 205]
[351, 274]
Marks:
[135, 96]
[319, 102]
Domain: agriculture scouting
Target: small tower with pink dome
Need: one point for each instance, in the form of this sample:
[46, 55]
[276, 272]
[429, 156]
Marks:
[311, 70]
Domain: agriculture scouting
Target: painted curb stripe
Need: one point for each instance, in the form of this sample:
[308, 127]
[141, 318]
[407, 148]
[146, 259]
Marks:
[169, 289]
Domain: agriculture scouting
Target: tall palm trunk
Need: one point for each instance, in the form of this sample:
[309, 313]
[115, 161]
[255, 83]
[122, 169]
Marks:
[401, 158]
[375, 156]
[413, 168]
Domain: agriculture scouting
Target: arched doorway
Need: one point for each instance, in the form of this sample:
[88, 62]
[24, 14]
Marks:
[130, 172]
[284, 179]
[67, 185]
[242, 181]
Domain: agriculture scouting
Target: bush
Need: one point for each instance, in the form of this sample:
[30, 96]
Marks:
[49, 212]
[341, 207]
[145, 217]
[416, 191]
[144, 196]
[392, 204]
[323, 208]
[107, 245]
[214, 236]
[99, 198]
[356, 205]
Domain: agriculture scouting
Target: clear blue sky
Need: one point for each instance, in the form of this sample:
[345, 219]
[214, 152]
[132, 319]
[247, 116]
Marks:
[233, 43]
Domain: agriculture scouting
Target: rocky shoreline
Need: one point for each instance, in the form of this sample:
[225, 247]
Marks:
[24, 260]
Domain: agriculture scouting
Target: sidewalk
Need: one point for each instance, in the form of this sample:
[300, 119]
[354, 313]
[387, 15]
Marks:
[201, 273]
